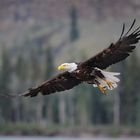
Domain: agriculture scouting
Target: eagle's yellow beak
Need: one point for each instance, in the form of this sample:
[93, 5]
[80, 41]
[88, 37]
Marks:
[61, 67]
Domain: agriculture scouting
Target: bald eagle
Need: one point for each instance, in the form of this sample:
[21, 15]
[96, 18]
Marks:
[92, 70]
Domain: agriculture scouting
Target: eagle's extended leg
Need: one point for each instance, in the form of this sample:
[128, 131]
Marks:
[108, 80]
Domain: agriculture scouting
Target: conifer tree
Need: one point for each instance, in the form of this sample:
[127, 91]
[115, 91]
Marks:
[130, 94]
[74, 32]
[5, 79]
[49, 100]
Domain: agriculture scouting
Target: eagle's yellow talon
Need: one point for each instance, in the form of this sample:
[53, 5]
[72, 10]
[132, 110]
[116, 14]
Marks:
[109, 84]
[102, 89]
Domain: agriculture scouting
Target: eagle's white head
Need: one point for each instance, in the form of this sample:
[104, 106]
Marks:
[70, 67]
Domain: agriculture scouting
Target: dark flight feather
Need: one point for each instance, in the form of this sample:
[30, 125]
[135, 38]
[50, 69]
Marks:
[122, 31]
[63, 81]
[115, 52]
[130, 27]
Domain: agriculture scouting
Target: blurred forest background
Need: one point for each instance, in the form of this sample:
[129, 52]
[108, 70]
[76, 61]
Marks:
[38, 35]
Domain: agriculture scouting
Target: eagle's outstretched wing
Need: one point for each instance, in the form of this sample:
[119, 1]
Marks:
[61, 82]
[115, 52]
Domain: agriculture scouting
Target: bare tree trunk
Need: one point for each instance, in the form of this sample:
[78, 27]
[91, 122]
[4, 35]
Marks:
[15, 111]
[116, 113]
[71, 109]
[15, 102]
[39, 111]
[49, 112]
[62, 109]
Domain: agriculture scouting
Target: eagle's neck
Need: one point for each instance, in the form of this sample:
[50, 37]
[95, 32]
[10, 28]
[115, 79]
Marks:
[72, 67]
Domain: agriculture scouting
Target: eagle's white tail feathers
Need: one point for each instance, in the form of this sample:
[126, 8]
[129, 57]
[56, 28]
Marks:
[111, 73]
[110, 77]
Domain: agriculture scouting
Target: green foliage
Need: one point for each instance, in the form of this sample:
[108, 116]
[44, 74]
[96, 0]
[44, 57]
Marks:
[129, 93]
[20, 69]
[51, 115]
[5, 70]
[99, 109]
[5, 79]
